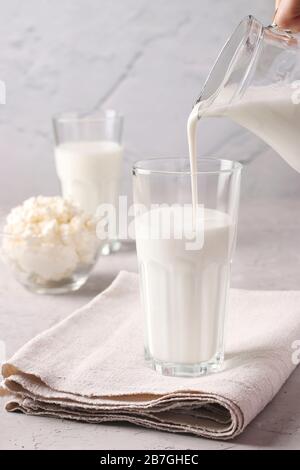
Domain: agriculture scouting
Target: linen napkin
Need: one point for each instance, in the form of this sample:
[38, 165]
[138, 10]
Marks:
[90, 367]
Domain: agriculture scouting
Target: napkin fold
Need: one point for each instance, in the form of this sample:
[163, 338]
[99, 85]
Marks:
[90, 366]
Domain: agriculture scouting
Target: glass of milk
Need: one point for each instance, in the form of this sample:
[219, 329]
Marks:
[184, 255]
[88, 157]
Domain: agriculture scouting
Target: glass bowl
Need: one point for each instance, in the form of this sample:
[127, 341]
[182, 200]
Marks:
[50, 268]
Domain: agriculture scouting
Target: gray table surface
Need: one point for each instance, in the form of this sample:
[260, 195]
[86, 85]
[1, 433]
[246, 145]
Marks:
[268, 257]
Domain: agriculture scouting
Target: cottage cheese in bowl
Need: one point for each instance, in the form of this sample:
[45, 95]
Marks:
[50, 243]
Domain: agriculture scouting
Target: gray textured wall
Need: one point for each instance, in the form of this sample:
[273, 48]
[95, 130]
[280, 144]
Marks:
[147, 59]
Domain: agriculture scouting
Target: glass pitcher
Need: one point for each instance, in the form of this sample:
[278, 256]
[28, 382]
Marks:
[256, 82]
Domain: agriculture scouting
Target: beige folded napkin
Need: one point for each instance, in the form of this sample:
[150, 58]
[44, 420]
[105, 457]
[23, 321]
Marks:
[90, 366]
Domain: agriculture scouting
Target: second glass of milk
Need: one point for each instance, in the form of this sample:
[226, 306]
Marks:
[184, 255]
[88, 158]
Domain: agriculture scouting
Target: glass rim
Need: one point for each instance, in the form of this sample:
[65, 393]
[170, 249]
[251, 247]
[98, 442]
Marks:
[140, 168]
[88, 116]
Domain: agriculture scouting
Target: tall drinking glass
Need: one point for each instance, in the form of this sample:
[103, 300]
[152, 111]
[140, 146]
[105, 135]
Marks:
[184, 258]
[88, 157]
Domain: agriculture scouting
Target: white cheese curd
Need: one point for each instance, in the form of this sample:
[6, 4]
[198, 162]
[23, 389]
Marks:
[49, 238]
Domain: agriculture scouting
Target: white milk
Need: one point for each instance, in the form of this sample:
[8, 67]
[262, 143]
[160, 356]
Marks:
[272, 113]
[192, 142]
[185, 291]
[269, 112]
[89, 172]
